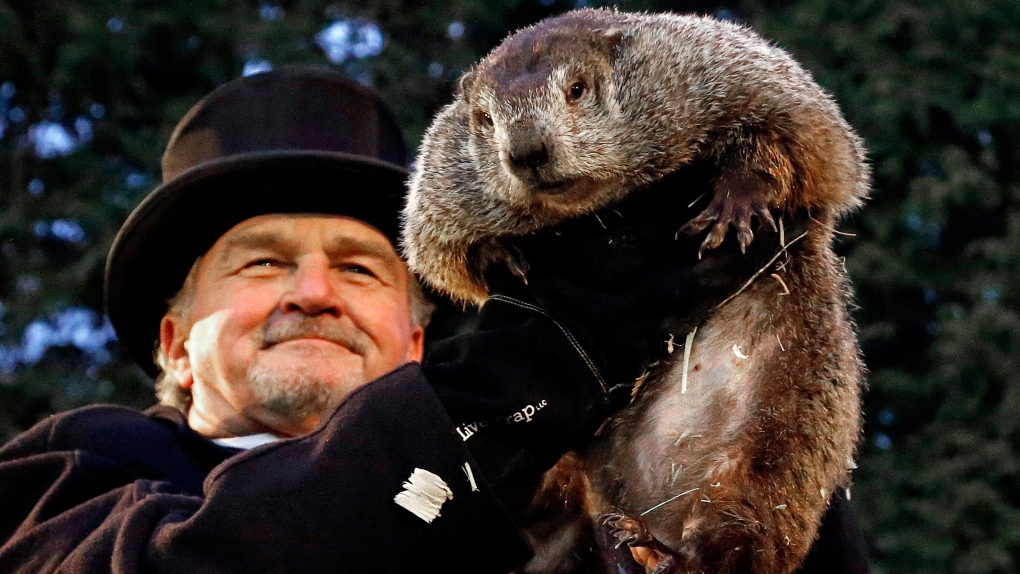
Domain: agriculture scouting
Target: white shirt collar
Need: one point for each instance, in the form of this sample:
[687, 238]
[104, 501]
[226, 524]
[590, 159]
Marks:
[247, 441]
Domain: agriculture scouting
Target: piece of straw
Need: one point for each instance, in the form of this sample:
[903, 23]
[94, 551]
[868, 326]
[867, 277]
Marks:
[687, 360]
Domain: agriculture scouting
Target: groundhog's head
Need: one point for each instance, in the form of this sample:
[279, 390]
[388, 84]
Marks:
[545, 121]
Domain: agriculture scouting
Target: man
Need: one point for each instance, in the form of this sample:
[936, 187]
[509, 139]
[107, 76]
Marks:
[293, 330]
[275, 227]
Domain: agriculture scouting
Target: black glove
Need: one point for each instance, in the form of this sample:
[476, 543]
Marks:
[519, 374]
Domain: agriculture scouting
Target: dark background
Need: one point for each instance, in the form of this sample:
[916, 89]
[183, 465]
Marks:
[90, 89]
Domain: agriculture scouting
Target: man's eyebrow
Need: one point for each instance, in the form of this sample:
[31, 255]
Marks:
[260, 240]
[346, 244]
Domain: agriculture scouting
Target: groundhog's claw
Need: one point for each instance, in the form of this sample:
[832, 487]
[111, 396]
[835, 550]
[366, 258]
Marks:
[700, 223]
[765, 216]
[696, 225]
[716, 234]
[744, 235]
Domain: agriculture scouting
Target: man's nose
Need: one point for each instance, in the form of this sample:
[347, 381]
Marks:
[311, 290]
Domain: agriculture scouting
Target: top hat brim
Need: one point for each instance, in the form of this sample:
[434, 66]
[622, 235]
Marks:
[181, 219]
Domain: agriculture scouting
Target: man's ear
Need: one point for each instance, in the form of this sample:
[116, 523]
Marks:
[417, 349]
[173, 338]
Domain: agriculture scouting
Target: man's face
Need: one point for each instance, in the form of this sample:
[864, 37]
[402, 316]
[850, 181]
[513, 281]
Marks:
[290, 313]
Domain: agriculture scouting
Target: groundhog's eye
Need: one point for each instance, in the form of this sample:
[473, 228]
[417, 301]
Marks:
[575, 91]
[484, 118]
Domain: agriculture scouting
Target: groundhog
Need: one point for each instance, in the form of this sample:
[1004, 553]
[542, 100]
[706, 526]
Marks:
[728, 454]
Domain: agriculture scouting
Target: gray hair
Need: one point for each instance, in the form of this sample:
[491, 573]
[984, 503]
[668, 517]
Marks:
[168, 388]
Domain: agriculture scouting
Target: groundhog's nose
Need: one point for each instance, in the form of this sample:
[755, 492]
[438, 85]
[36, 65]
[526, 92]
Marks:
[529, 155]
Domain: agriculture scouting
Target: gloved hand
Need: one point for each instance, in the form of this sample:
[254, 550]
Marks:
[520, 374]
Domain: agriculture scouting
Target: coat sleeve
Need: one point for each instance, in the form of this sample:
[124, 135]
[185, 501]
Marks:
[324, 502]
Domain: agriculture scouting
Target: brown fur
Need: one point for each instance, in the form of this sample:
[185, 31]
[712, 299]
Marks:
[764, 439]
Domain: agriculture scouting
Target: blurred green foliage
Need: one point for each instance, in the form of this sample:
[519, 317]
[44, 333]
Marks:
[934, 88]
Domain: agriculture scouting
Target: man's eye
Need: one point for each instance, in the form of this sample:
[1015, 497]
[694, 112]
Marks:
[263, 263]
[359, 269]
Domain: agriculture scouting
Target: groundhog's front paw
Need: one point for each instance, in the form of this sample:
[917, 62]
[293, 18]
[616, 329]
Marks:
[739, 196]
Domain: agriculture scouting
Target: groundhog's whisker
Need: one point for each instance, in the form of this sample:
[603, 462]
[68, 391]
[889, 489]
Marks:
[696, 200]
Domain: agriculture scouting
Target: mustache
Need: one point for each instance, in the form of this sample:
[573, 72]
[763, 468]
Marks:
[282, 327]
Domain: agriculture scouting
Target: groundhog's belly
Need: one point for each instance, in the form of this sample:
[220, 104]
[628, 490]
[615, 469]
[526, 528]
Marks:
[684, 441]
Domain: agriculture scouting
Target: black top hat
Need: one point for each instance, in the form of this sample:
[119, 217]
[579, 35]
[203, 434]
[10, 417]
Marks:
[293, 140]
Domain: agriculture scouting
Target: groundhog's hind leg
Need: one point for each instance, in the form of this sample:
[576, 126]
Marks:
[717, 549]
[634, 533]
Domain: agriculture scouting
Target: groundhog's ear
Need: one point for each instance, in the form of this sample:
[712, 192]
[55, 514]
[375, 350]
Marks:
[608, 38]
[464, 84]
